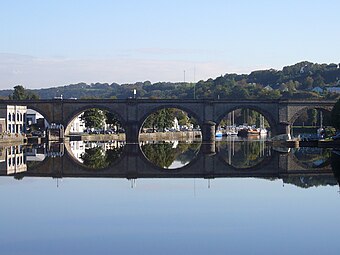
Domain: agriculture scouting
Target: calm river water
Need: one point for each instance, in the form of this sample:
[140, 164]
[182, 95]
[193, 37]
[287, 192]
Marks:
[171, 197]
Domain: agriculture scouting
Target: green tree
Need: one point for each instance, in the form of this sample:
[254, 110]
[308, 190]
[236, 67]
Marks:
[161, 119]
[20, 93]
[181, 116]
[94, 118]
[239, 93]
[313, 115]
[308, 83]
[111, 119]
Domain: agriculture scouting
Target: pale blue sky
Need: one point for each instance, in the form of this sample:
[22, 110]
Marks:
[50, 43]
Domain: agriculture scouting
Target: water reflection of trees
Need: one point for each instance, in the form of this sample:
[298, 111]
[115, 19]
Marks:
[244, 154]
[311, 181]
[164, 154]
[98, 158]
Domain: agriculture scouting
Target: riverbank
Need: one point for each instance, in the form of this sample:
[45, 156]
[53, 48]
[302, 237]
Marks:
[297, 143]
[142, 136]
[13, 139]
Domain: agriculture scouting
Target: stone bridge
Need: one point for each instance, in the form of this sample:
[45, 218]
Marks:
[132, 112]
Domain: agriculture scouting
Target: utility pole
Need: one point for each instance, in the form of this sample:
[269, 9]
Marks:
[194, 82]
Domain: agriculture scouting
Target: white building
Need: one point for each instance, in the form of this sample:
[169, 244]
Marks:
[15, 118]
[33, 117]
[78, 125]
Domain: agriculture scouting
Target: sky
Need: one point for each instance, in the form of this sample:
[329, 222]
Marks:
[59, 42]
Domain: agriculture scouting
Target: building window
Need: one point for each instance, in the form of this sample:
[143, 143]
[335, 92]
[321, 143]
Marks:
[9, 162]
[9, 116]
[9, 127]
[18, 117]
[13, 117]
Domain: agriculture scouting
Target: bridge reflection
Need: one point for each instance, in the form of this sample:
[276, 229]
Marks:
[57, 161]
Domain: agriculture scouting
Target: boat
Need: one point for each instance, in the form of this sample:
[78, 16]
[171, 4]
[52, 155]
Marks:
[218, 133]
[247, 132]
[262, 131]
[231, 131]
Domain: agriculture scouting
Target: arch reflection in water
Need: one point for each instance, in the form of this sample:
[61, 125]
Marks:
[49, 160]
[243, 153]
[170, 154]
[96, 154]
[312, 157]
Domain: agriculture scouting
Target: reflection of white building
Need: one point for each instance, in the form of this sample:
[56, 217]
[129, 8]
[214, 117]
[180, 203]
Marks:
[13, 160]
[35, 153]
[77, 149]
[78, 125]
[13, 118]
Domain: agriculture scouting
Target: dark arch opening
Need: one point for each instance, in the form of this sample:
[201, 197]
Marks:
[312, 158]
[36, 122]
[244, 154]
[244, 131]
[247, 121]
[312, 123]
[97, 117]
[170, 138]
[97, 137]
[95, 155]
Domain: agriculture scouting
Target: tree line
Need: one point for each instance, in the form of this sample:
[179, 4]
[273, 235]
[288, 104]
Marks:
[295, 81]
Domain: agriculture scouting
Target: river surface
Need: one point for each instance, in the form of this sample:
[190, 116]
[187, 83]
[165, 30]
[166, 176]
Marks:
[169, 197]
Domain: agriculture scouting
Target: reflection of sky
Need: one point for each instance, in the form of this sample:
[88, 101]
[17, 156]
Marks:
[172, 216]
[178, 164]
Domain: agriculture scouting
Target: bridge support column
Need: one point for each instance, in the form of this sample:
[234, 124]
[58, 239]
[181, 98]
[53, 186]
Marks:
[208, 132]
[284, 128]
[208, 148]
[132, 132]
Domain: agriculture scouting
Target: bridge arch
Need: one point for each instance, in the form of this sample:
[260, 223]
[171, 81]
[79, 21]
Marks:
[72, 115]
[41, 111]
[267, 115]
[154, 109]
[260, 162]
[152, 159]
[302, 109]
[320, 154]
[71, 159]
